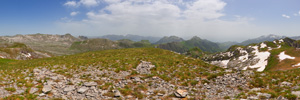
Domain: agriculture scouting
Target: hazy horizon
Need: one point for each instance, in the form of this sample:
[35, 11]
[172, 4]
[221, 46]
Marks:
[214, 20]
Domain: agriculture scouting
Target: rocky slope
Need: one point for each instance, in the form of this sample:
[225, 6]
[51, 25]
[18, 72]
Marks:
[273, 55]
[19, 51]
[263, 38]
[139, 73]
[54, 44]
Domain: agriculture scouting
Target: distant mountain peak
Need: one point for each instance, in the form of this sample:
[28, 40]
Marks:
[263, 38]
[130, 37]
[195, 38]
[169, 39]
[271, 36]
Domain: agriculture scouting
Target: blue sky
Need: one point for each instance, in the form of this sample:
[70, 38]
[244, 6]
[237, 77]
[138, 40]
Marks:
[217, 20]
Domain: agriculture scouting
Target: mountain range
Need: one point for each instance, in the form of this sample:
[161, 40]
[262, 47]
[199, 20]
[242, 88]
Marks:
[130, 37]
[43, 66]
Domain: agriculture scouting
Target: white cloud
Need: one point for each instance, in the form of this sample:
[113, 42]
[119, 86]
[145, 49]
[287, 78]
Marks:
[295, 14]
[89, 3]
[71, 3]
[161, 18]
[285, 16]
[74, 13]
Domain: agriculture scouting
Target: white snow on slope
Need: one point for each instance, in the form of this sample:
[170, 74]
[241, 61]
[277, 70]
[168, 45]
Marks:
[244, 57]
[2, 57]
[280, 41]
[221, 63]
[263, 45]
[26, 55]
[225, 62]
[283, 56]
[279, 46]
[296, 65]
[262, 56]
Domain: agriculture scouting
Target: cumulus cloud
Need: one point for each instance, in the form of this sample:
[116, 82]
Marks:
[89, 2]
[285, 16]
[71, 3]
[74, 13]
[161, 18]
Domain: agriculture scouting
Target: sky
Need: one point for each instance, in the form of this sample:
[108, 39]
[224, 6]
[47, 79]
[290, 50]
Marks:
[215, 20]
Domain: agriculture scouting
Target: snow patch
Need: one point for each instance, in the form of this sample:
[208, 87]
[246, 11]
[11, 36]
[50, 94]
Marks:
[269, 48]
[221, 63]
[279, 46]
[281, 40]
[296, 65]
[225, 62]
[263, 45]
[283, 56]
[262, 56]
[26, 55]
[243, 58]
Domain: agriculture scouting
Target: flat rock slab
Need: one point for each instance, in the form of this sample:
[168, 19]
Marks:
[46, 89]
[69, 88]
[89, 84]
[82, 89]
[181, 93]
[33, 90]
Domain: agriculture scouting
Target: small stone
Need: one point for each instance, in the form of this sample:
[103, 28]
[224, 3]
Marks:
[160, 94]
[181, 93]
[255, 89]
[33, 90]
[54, 77]
[46, 89]
[117, 94]
[82, 89]
[89, 84]
[90, 94]
[297, 93]
[19, 92]
[129, 96]
[288, 84]
[69, 88]
[42, 94]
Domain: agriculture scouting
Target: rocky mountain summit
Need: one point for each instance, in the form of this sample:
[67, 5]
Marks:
[54, 44]
[19, 51]
[256, 56]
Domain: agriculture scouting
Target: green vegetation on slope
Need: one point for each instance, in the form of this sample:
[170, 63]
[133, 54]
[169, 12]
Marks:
[119, 59]
[184, 46]
[105, 44]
